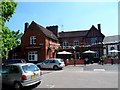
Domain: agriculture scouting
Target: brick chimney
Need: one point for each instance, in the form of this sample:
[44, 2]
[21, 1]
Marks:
[26, 26]
[54, 29]
[99, 27]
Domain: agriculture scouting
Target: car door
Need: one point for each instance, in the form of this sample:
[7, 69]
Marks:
[51, 63]
[12, 74]
[45, 64]
[5, 74]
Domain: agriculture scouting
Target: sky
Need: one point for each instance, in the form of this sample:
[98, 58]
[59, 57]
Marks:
[69, 16]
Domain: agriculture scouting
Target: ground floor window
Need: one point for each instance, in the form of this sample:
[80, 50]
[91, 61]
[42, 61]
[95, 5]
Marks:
[96, 55]
[15, 56]
[33, 56]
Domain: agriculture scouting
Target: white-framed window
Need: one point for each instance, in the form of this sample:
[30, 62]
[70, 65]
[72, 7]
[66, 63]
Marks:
[96, 55]
[32, 40]
[65, 43]
[76, 43]
[94, 40]
[33, 56]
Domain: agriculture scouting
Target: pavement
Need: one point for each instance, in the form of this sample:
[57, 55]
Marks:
[105, 67]
[82, 76]
[87, 68]
[92, 67]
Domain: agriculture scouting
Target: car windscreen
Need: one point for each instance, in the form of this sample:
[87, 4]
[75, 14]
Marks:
[61, 60]
[32, 68]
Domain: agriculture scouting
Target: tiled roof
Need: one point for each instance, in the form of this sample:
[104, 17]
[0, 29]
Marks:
[110, 39]
[79, 33]
[47, 32]
[73, 33]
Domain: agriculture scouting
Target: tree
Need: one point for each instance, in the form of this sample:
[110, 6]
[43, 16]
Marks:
[11, 39]
[7, 10]
[8, 39]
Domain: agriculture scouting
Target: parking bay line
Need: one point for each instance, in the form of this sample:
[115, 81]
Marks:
[99, 70]
[50, 86]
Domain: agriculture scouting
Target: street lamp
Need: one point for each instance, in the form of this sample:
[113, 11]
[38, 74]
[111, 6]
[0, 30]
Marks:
[74, 55]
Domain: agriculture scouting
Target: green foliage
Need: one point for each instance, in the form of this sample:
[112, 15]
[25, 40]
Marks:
[8, 39]
[11, 39]
[7, 9]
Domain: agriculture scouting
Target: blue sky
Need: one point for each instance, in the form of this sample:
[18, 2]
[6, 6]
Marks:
[69, 16]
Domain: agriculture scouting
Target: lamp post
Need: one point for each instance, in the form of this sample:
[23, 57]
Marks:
[74, 56]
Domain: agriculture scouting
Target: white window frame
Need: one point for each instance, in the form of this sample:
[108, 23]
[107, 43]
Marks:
[94, 40]
[32, 40]
[33, 56]
[96, 54]
[15, 56]
[76, 43]
[65, 43]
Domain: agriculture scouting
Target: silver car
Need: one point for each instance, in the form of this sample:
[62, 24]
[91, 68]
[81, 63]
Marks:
[21, 74]
[53, 63]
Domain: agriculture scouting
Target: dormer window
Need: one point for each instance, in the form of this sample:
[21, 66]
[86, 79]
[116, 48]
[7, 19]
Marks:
[33, 40]
[76, 43]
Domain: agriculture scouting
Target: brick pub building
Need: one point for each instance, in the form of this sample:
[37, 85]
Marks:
[39, 43]
[82, 40]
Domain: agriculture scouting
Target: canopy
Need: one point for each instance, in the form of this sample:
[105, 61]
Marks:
[89, 51]
[114, 51]
[64, 52]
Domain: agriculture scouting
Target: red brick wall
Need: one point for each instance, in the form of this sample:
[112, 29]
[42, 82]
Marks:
[108, 61]
[41, 39]
[94, 33]
[25, 42]
[71, 40]
[71, 62]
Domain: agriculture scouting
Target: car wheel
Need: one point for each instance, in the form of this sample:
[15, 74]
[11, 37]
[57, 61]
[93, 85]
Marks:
[55, 67]
[17, 86]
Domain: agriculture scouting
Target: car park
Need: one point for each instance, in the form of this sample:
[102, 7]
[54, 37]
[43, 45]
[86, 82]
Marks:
[20, 75]
[52, 63]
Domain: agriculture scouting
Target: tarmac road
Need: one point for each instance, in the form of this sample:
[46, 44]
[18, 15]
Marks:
[80, 76]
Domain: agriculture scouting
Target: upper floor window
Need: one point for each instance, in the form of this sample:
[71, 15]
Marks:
[65, 43]
[94, 40]
[32, 40]
[76, 43]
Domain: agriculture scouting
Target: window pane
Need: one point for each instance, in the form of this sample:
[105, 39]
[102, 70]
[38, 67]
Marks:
[33, 40]
[33, 56]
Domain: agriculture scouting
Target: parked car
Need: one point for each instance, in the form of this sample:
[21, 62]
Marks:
[53, 63]
[11, 61]
[20, 75]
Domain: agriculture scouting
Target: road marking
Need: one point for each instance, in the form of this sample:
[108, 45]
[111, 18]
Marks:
[99, 69]
[50, 86]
